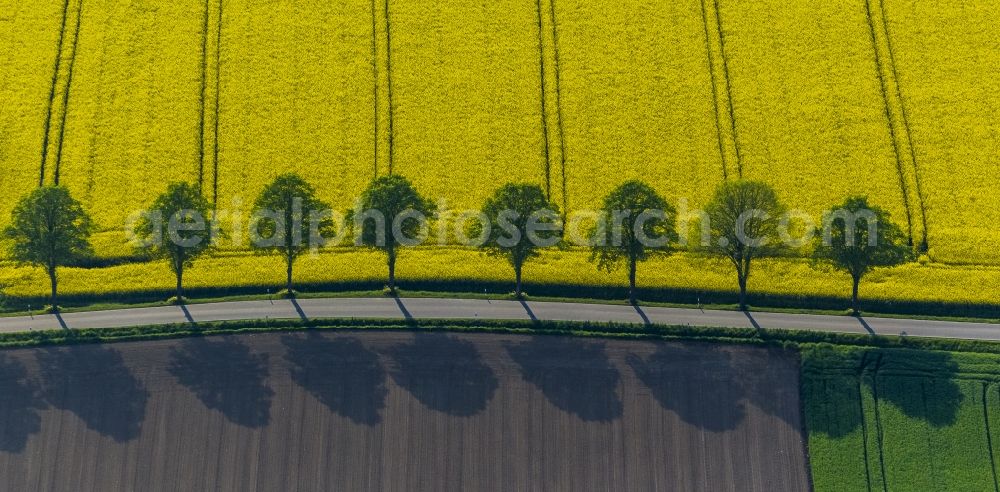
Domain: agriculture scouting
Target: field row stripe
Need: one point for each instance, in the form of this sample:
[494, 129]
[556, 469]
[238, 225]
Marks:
[905, 120]
[388, 86]
[545, 124]
[202, 98]
[52, 93]
[67, 90]
[715, 91]
[887, 112]
[729, 88]
[559, 115]
[989, 436]
[383, 109]
[375, 109]
[218, 95]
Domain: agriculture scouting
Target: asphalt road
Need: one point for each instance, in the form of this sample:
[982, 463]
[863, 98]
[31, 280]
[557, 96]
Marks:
[432, 308]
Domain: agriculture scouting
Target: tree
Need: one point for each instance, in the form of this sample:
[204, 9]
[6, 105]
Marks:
[49, 229]
[391, 202]
[523, 221]
[857, 237]
[744, 218]
[639, 224]
[175, 229]
[290, 219]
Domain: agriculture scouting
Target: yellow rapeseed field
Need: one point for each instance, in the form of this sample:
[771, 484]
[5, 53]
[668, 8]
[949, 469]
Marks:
[296, 94]
[466, 94]
[28, 34]
[132, 123]
[808, 104]
[636, 99]
[892, 99]
[947, 55]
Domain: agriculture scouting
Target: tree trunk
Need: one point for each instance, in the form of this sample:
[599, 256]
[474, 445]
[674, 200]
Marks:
[743, 292]
[392, 271]
[855, 305]
[53, 283]
[289, 260]
[631, 281]
[517, 281]
[180, 283]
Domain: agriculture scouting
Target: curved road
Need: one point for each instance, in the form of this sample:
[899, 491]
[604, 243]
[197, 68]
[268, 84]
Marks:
[434, 308]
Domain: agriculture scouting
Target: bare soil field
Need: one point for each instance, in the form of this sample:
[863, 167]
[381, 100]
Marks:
[400, 411]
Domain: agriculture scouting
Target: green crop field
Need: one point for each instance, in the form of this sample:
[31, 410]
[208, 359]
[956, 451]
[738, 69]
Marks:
[895, 100]
[902, 419]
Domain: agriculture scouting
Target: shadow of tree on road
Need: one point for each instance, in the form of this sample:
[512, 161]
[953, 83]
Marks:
[225, 376]
[20, 402]
[94, 383]
[575, 375]
[444, 373]
[341, 373]
[695, 381]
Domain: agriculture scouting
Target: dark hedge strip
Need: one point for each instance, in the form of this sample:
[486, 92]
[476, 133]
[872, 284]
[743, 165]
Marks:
[677, 295]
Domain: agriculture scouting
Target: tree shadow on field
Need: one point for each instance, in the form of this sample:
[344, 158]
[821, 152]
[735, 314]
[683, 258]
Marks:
[832, 403]
[770, 378]
[341, 373]
[921, 385]
[225, 376]
[575, 375]
[94, 383]
[444, 373]
[697, 382]
[20, 402]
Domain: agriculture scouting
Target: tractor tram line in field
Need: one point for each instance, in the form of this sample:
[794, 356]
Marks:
[887, 111]
[896, 119]
[208, 98]
[729, 88]
[52, 92]
[559, 109]
[901, 101]
[388, 85]
[202, 98]
[218, 95]
[67, 91]
[715, 92]
[375, 91]
[879, 431]
[989, 436]
[724, 115]
[865, 453]
[546, 155]
[381, 53]
[550, 90]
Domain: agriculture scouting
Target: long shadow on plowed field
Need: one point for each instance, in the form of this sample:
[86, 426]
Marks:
[444, 373]
[20, 402]
[341, 373]
[225, 376]
[575, 375]
[69, 376]
[721, 386]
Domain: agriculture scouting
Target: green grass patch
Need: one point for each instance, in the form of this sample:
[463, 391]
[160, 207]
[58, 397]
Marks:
[900, 418]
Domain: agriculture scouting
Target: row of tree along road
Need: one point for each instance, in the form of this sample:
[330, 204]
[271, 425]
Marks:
[742, 223]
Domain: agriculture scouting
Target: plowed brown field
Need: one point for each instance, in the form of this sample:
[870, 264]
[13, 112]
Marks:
[400, 411]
